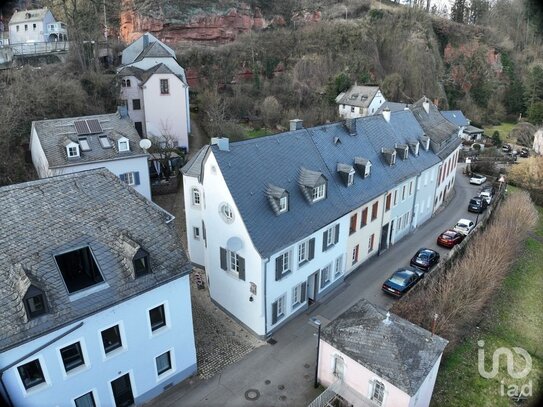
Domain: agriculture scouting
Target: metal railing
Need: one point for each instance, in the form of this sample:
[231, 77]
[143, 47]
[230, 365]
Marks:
[32, 48]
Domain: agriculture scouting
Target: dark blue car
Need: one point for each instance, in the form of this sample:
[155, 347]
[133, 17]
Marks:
[425, 259]
[402, 281]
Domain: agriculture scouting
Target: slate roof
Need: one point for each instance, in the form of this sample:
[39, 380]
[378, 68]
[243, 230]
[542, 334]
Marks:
[400, 352]
[55, 134]
[154, 50]
[392, 106]
[473, 130]
[35, 15]
[357, 95]
[144, 75]
[90, 208]
[135, 49]
[193, 168]
[251, 165]
[455, 117]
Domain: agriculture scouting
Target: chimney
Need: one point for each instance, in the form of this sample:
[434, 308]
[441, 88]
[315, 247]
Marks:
[386, 114]
[426, 104]
[145, 40]
[406, 107]
[350, 125]
[122, 111]
[296, 124]
[222, 142]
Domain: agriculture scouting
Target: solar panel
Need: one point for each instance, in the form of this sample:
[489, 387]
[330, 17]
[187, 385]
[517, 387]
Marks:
[94, 126]
[81, 127]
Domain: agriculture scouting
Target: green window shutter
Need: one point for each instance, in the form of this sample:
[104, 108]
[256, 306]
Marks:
[324, 240]
[274, 312]
[336, 238]
[241, 262]
[302, 296]
[311, 249]
[136, 178]
[223, 259]
[123, 177]
[278, 268]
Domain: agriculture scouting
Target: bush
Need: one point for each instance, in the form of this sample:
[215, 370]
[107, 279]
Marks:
[496, 138]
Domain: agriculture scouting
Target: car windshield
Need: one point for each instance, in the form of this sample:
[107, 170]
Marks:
[399, 278]
[475, 201]
[461, 225]
[423, 256]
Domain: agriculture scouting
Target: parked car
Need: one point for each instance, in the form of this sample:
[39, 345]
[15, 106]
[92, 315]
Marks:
[487, 196]
[477, 204]
[489, 188]
[524, 152]
[425, 259]
[506, 148]
[401, 281]
[464, 226]
[477, 179]
[450, 238]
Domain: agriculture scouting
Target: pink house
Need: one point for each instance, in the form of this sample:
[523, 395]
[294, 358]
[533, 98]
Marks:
[371, 358]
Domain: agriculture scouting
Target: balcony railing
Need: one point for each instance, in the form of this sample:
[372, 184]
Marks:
[32, 48]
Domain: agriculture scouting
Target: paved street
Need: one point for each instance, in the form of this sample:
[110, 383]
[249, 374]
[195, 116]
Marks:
[282, 374]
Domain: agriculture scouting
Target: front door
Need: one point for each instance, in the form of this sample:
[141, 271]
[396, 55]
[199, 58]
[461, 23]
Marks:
[122, 391]
[312, 287]
[384, 238]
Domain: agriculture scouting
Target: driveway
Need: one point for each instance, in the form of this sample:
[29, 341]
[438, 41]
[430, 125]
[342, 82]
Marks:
[282, 374]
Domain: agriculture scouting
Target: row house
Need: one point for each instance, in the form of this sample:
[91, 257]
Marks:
[96, 309]
[155, 90]
[359, 101]
[35, 26]
[277, 222]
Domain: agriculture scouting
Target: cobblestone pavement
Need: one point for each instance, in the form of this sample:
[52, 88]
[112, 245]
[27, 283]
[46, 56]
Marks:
[220, 341]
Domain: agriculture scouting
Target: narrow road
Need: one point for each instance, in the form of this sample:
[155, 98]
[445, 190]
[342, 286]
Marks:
[283, 373]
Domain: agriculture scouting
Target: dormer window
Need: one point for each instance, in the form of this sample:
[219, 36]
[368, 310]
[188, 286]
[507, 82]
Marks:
[72, 149]
[283, 204]
[278, 198]
[319, 192]
[350, 179]
[346, 172]
[123, 144]
[312, 184]
[367, 170]
[363, 166]
[34, 302]
[79, 269]
[389, 155]
[141, 263]
[425, 141]
[402, 150]
[414, 146]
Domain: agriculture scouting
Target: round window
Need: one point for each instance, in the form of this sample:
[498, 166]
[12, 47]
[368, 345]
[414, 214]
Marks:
[226, 212]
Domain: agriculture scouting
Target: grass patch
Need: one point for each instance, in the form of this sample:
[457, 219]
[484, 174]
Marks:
[514, 319]
[504, 129]
[255, 133]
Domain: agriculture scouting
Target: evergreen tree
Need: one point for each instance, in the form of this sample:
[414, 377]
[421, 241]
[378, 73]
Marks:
[458, 11]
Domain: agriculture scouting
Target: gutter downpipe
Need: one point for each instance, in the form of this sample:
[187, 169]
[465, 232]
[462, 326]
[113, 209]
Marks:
[45, 345]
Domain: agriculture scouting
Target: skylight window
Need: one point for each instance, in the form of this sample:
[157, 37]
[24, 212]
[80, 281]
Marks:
[84, 144]
[104, 142]
[79, 269]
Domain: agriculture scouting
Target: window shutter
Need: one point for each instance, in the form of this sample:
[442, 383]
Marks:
[137, 178]
[241, 263]
[302, 295]
[278, 268]
[324, 240]
[204, 232]
[123, 177]
[223, 259]
[336, 238]
[274, 312]
[311, 249]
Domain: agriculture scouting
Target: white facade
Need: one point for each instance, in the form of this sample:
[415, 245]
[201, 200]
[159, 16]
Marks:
[348, 111]
[136, 166]
[446, 177]
[136, 357]
[132, 94]
[424, 196]
[24, 27]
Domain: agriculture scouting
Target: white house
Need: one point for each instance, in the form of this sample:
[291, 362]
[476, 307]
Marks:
[96, 308]
[277, 221]
[361, 368]
[359, 101]
[155, 89]
[62, 146]
[38, 25]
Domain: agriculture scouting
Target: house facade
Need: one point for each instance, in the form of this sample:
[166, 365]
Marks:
[355, 363]
[359, 101]
[100, 310]
[155, 90]
[38, 25]
[68, 145]
[275, 238]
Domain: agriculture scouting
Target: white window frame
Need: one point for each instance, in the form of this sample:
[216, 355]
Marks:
[280, 307]
[196, 197]
[93, 395]
[404, 188]
[166, 373]
[355, 254]
[303, 252]
[116, 351]
[227, 212]
[371, 243]
[129, 178]
[331, 236]
[338, 266]
[319, 192]
[377, 393]
[72, 151]
[350, 178]
[297, 295]
[124, 145]
[233, 262]
[283, 204]
[285, 262]
[326, 276]
[367, 170]
[395, 197]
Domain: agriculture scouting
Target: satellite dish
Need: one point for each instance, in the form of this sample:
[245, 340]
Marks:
[145, 143]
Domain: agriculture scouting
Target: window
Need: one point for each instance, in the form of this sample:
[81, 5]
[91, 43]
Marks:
[387, 203]
[364, 219]
[374, 210]
[195, 197]
[17, 28]
[306, 251]
[79, 269]
[403, 193]
[86, 400]
[111, 339]
[338, 366]
[278, 309]
[141, 263]
[124, 145]
[378, 392]
[350, 178]
[298, 294]
[283, 204]
[104, 142]
[31, 374]
[338, 266]
[34, 302]
[226, 212]
[352, 109]
[125, 83]
[355, 254]
[122, 391]
[196, 232]
[233, 263]
[395, 197]
[157, 317]
[72, 356]
[325, 276]
[319, 192]
[26, 27]
[411, 188]
[371, 241]
[139, 128]
[72, 150]
[84, 144]
[367, 170]
[352, 227]
[163, 363]
[282, 265]
[164, 87]
[136, 104]
[330, 237]
[131, 178]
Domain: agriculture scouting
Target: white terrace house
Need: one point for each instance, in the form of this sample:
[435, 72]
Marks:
[96, 309]
[155, 90]
[277, 221]
[359, 368]
[62, 146]
[38, 25]
[359, 101]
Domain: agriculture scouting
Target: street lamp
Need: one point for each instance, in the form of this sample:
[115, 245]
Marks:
[317, 322]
